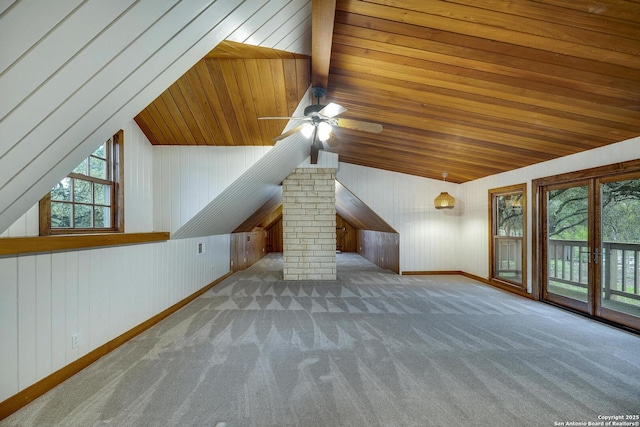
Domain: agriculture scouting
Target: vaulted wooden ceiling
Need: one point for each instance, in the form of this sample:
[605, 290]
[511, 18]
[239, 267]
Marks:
[471, 87]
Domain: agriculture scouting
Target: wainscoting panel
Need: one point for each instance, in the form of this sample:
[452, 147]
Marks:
[247, 248]
[43, 315]
[8, 326]
[380, 248]
[45, 299]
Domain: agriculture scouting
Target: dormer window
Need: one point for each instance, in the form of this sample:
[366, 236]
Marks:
[90, 198]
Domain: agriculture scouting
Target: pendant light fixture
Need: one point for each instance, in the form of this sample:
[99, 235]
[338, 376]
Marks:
[444, 200]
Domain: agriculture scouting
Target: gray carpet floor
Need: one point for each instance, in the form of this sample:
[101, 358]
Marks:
[370, 349]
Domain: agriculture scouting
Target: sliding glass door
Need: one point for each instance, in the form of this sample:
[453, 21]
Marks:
[590, 252]
[618, 297]
[568, 245]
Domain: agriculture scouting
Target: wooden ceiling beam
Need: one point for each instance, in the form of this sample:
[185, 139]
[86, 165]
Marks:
[322, 21]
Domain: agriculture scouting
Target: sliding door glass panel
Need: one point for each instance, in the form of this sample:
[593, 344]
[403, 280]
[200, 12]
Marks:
[568, 242]
[508, 236]
[620, 222]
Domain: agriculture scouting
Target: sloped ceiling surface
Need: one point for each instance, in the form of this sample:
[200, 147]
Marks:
[76, 71]
[474, 87]
[218, 100]
[253, 189]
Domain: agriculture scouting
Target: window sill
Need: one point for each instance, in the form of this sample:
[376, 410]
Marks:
[24, 245]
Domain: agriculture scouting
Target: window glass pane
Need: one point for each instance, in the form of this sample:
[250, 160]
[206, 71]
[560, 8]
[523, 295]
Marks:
[621, 211]
[508, 259]
[60, 215]
[568, 242]
[100, 151]
[508, 235]
[509, 215]
[83, 202]
[568, 210]
[102, 217]
[102, 194]
[83, 216]
[82, 191]
[621, 246]
[81, 168]
[62, 190]
[97, 167]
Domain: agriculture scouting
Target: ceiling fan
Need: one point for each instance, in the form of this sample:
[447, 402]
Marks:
[319, 121]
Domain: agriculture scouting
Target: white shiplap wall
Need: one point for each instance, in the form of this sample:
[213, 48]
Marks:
[76, 70]
[289, 29]
[187, 178]
[474, 231]
[101, 293]
[428, 237]
[138, 184]
[97, 293]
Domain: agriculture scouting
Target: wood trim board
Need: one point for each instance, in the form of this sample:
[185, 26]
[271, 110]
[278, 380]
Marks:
[23, 245]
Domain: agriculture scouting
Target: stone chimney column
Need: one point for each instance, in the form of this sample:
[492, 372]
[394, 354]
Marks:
[309, 224]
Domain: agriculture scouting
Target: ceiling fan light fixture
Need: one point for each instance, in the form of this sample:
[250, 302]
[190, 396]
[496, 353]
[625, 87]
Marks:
[307, 130]
[324, 131]
[444, 200]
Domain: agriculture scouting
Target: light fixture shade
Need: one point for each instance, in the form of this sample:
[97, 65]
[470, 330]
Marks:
[324, 131]
[307, 130]
[444, 201]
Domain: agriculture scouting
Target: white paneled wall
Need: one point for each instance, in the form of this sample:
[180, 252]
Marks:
[138, 192]
[474, 231]
[96, 293]
[77, 69]
[26, 225]
[187, 178]
[428, 237]
[138, 171]
[101, 293]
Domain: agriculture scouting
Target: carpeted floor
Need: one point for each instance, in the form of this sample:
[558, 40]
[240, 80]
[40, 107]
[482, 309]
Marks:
[371, 349]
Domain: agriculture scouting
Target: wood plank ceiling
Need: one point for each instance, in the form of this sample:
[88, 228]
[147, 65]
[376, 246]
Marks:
[471, 87]
[218, 101]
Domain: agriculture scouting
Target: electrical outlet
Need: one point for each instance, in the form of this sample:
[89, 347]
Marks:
[75, 340]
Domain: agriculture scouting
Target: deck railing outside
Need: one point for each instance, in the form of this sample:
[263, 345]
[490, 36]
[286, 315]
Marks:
[568, 264]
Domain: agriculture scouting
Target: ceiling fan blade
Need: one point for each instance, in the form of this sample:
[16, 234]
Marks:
[359, 125]
[283, 118]
[288, 133]
[332, 109]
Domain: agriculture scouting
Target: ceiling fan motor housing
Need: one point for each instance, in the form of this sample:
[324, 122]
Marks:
[318, 92]
[315, 108]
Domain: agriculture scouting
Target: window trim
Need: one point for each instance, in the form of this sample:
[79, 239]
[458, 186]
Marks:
[520, 288]
[115, 156]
